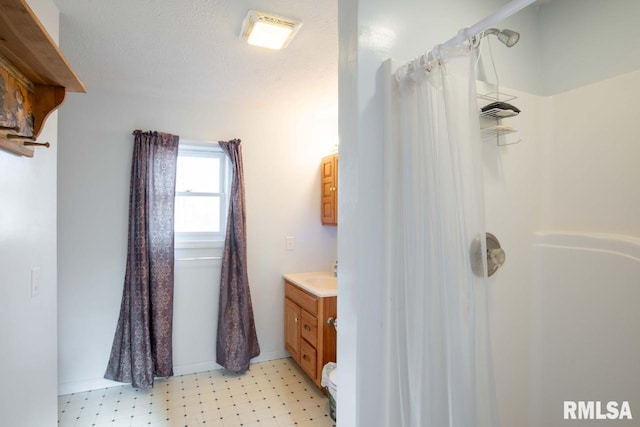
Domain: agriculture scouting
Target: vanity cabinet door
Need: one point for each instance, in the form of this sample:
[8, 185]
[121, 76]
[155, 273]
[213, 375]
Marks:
[292, 323]
[329, 191]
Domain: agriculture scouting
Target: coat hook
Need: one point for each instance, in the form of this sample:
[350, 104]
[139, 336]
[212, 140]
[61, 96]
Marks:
[36, 144]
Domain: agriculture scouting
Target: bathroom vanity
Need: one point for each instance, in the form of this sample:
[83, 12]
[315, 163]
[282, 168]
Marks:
[310, 302]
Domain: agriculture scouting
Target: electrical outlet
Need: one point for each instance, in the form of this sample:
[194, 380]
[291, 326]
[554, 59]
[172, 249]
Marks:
[290, 243]
[35, 282]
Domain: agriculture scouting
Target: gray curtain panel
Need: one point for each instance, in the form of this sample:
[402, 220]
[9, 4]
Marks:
[237, 341]
[142, 344]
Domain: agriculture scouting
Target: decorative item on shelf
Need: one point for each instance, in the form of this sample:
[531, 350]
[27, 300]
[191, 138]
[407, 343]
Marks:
[34, 78]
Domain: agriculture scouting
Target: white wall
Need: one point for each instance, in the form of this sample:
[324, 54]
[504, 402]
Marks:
[584, 41]
[28, 240]
[282, 150]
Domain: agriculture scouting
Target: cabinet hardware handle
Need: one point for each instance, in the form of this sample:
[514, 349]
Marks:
[296, 319]
[306, 327]
[305, 357]
[333, 321]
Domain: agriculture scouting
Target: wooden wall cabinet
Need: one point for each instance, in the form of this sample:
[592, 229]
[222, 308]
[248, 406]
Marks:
[34, 77]
[329, 192]
[309, 339]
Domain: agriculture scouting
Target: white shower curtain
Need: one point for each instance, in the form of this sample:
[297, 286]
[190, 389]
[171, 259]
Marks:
[437, 364]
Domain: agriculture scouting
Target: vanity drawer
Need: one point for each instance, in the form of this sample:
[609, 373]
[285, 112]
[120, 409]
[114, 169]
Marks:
[300, 297]
[308, 358]
[309, 329]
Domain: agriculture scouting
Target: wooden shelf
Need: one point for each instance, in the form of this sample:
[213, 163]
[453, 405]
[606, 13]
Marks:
[28, 46]
[35, 66]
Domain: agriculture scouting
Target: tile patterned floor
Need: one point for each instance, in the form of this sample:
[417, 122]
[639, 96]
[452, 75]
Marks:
[272, 394]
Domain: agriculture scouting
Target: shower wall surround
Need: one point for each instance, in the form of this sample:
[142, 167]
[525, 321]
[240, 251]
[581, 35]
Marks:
[574, 172]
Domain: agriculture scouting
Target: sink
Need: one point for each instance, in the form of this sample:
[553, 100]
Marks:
[322, 284]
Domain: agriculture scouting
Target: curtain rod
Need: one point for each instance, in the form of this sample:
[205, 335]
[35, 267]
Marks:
[467, 33]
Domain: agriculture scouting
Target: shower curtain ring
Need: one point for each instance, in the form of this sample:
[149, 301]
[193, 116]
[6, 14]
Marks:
[475, 41]
[434, 56]
[463, 36]
[426, 63]
[415, 69]
[436, 53]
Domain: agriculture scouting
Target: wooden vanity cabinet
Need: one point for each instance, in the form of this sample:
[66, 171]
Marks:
[329, 191]
[309, 339]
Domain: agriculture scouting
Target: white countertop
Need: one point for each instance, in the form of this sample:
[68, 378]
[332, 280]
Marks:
[320, 283]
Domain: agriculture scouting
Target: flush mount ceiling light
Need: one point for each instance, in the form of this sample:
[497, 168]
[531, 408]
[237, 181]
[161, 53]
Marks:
[267, 30]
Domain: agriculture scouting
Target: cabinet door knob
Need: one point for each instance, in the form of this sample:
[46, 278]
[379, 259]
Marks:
[307, 328]
[296, 319]
[305, 357]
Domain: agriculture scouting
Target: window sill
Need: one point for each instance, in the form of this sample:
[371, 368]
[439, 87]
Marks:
[199, 244]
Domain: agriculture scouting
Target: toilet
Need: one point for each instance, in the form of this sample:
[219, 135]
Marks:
[329, 380]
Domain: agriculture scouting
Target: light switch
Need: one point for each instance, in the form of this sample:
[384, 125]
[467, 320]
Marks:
[290, 243]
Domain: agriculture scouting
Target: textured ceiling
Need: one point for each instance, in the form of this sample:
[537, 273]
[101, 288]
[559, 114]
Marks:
[191, 49]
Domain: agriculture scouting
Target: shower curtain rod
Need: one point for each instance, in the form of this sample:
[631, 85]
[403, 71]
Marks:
[467, 33]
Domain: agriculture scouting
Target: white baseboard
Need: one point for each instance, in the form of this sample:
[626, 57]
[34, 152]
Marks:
[85, 385]
[191, 368]
[194, 368]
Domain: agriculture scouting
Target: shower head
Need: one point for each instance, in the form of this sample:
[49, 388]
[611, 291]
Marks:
[506, 36]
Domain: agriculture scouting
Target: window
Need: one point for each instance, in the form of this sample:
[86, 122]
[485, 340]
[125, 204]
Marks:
[202, 193]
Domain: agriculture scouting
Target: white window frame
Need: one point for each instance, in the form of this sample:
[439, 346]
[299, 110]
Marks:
[202, 239]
